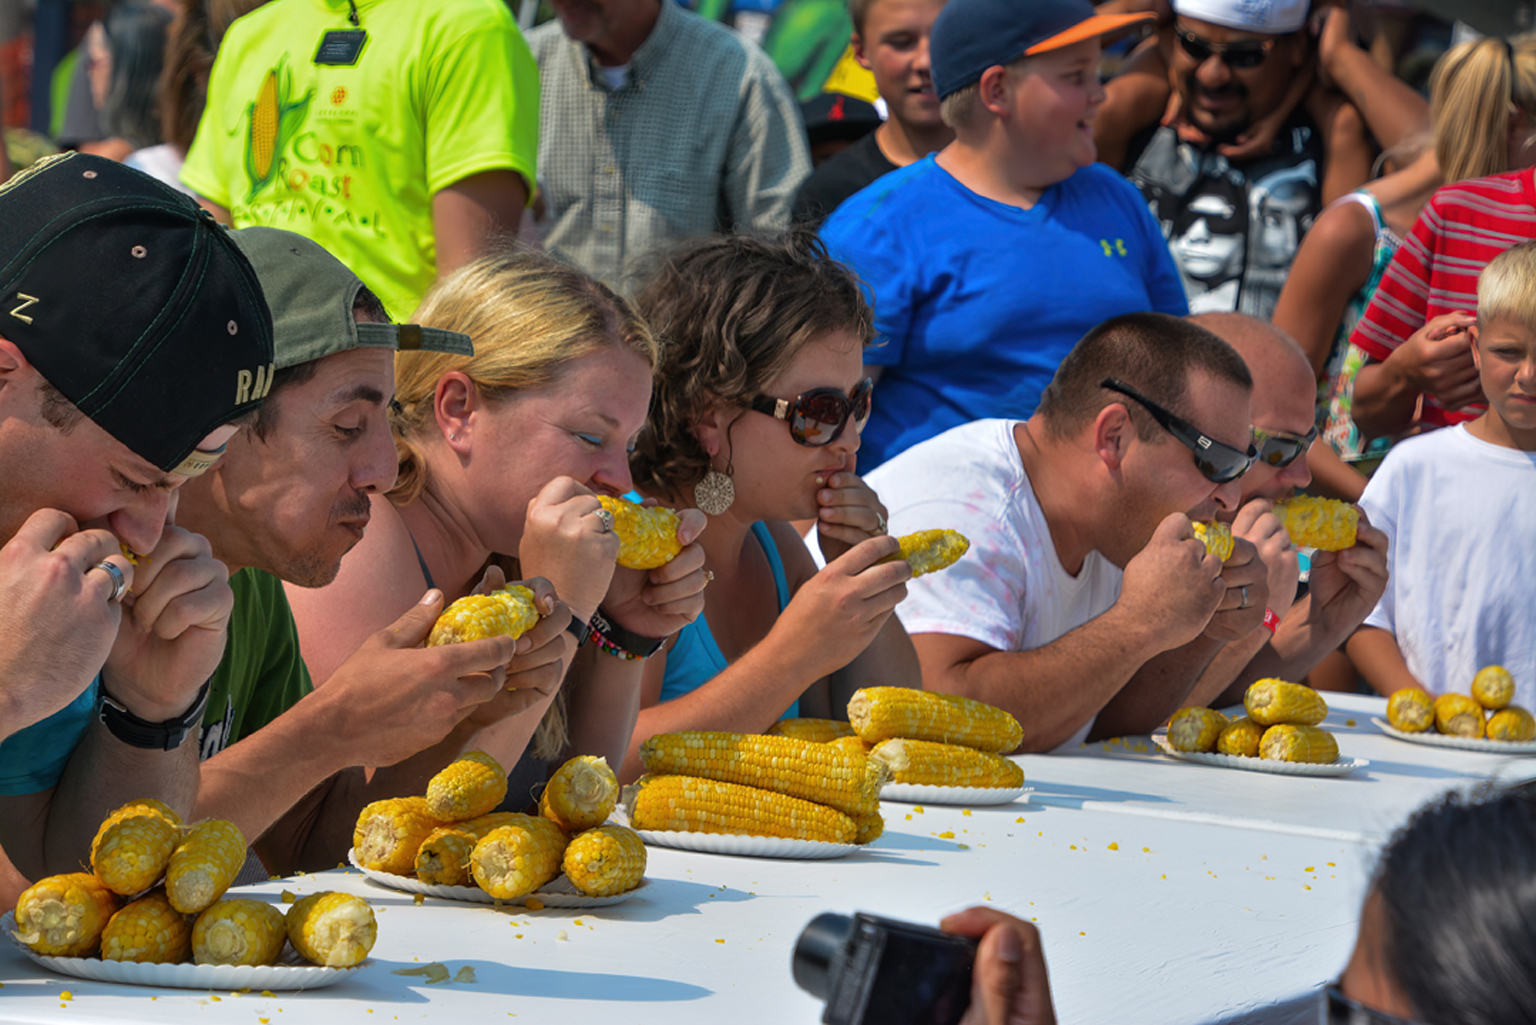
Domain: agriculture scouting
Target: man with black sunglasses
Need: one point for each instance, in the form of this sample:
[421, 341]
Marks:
[1344, 586]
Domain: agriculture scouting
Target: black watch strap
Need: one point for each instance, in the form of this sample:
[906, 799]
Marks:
[637, 645]
[153, 736]
[579, 630]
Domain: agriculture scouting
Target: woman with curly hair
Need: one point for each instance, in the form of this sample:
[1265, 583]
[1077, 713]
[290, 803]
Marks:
[760, 397]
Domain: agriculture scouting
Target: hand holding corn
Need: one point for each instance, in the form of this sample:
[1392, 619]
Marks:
[647, 534]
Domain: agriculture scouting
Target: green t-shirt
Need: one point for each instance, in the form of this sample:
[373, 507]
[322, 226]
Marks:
[262, 675]
[350, 155]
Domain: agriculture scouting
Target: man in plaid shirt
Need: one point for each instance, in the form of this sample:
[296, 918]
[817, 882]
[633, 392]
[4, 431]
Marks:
[657, 125]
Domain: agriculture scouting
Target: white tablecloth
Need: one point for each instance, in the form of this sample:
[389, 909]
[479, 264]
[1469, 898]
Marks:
[1166, 893]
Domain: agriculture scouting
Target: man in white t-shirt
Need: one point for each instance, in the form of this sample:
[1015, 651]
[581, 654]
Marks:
[1344, 586]
[1460, 506]
[1086, 607]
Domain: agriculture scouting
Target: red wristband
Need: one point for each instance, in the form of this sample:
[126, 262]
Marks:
[1271, 621]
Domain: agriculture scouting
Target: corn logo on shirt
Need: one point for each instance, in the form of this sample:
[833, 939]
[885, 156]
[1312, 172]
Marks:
[351, 154]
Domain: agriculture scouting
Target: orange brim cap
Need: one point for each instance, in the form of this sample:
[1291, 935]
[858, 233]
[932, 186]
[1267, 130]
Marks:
[1098, 25]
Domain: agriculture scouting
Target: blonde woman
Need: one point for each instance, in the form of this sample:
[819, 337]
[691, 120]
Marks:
[502, 457]
[760, 398]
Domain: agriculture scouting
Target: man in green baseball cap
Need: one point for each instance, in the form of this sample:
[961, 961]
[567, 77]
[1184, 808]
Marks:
[289, 500]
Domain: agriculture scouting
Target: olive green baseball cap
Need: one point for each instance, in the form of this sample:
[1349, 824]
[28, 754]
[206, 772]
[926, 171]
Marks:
[311, 295]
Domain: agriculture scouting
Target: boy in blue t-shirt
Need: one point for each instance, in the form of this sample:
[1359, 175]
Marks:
[989, 260]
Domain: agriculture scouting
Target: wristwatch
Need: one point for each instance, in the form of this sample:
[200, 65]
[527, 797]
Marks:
[580, 630]
[152, 736]
[637, 645]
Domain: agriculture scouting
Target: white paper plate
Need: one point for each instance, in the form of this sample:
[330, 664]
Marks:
[295, 973]
[1433, 739]
[917, 793]
[1342, 767]
[560, 893]
[746, 846]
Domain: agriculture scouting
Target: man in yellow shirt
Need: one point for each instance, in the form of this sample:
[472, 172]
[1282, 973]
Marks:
[401, 136]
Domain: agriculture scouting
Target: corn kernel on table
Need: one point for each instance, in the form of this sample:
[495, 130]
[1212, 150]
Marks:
[1166, 893]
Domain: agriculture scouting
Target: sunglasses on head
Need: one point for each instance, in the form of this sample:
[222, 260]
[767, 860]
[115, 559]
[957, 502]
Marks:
[1217, 462]
[1246, 53]
[1338, 1009]
[1280, 450]
[817, 417]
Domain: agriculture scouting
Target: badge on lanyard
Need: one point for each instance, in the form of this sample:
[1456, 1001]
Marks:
[341, 47]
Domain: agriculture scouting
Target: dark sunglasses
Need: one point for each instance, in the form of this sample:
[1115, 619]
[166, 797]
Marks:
[1249, 53]
[1278, 449]
[1217, 462]
[817, 417]
[1338, 1009]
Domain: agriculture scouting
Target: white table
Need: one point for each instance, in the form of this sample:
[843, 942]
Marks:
[1229, 893]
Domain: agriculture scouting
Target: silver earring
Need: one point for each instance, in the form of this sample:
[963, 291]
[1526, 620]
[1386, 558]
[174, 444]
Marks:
[714, 494]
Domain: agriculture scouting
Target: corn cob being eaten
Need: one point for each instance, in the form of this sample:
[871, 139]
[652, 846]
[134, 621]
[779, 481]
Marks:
[239, 930]
[506, 611]
[1217, 538]
[928, 551]
[925, 763]
[520, 857]
[581, 794]
[691, 804]
[471, 786]
[817, 731]
[1196, 729]
[1458, 716]
[1493, 687]
[1296, 743]
[604, 861]
[1322, 523]
[1273, 701]
[204, 865]
[1411, 710]
[813, 772]
[881, 713]
[333, 929]
[148, 931]
[64, 915]
[390, 832]
[647, 534]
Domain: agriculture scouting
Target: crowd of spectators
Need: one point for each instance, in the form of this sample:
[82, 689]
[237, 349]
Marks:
[325, 384]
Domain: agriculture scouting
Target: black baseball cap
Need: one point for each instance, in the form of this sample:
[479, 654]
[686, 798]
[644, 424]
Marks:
[970, 36]
[832, 116]
[133, 303]
[312, 295]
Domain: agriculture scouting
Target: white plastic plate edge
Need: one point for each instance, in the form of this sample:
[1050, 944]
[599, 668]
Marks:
[475, 895]
[1433, 739]
[1342, 767]
[185, 976]
[918, 793]
[746, 846]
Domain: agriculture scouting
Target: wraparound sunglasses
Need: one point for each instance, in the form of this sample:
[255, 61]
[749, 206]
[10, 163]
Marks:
[1217, 461]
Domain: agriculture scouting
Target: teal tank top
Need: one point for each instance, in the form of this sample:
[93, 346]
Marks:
[695, 658]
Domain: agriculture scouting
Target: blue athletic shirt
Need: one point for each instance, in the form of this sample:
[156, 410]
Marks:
[976, 302]
[695, 658]
[33, 759]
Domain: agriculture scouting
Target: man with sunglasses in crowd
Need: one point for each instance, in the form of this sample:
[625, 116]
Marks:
[1303, 626]
[1085, 606]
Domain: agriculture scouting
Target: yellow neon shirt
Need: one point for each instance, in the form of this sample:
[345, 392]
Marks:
[350, 156]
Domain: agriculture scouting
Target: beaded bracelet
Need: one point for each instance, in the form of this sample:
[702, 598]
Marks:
[604, 644]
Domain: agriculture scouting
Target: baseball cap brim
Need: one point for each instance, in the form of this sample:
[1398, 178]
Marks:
[413, 337]
[1098, 25]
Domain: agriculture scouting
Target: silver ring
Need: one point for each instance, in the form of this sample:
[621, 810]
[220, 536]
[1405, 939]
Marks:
[119, 583]
[606, 519]
[709, 576]
[879, 524]
[1244, 603]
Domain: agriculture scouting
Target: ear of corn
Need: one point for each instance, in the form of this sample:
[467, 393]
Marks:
[1274, 701]
[148, 931]
[443, 858]
[817, 731]
[1411, 710]
[133, 847]
[606, 860]
[520, 857]
[390, 832]
[881, 713]
[1458, 715]
[332, 929]
[1292, 743]
[928, 551]
[1493, 687]
[1240, 738]
[204, 865]
[507, 611]
[691, 804]
[647, 535]
[1196, 729]
[63, 916]
[1217, 538]
[581, 794]
[868, 828]
[239, 931]
[854, 745]
[813, 772]
[926, 763]
[1322, 523]
[1511, 723]
[474, 784]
